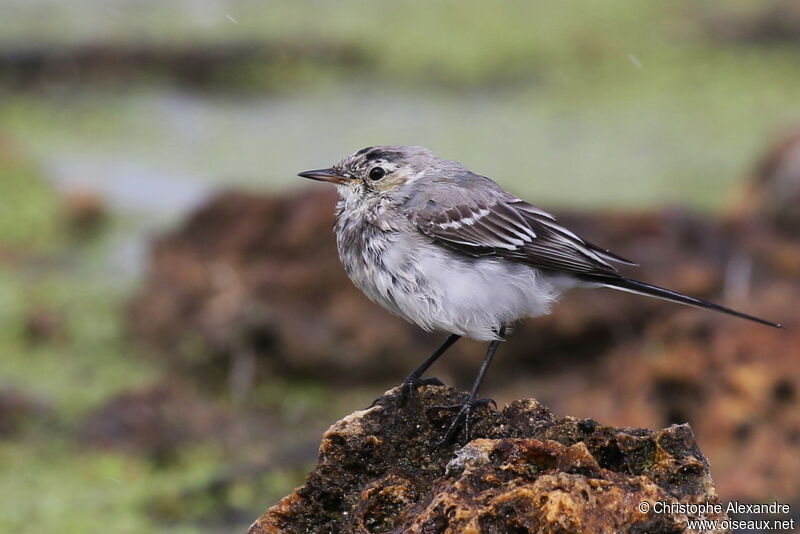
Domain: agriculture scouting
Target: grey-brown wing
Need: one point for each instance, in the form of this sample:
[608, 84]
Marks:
[513, 229]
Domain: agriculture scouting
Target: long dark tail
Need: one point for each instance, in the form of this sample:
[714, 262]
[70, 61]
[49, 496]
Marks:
[642, 288]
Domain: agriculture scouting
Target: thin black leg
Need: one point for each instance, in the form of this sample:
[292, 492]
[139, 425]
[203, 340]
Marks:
[465, 410]
[413, 380]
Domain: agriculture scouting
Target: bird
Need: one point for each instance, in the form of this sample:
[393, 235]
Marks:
[450, 250]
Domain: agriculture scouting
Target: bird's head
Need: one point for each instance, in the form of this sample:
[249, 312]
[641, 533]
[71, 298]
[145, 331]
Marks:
[376, 170]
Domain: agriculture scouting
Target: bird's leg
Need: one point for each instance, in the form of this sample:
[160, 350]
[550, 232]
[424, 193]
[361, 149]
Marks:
[413, 380]
[465, 409]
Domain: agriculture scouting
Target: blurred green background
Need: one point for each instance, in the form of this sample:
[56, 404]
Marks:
[134, 112]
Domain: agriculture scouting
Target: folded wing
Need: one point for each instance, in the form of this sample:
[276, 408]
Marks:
[501, 225]
[513, 229]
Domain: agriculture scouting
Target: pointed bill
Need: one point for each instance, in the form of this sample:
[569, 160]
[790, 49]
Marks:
[325, 175]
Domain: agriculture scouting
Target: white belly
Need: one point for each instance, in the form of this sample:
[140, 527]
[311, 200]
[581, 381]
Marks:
[442, 290]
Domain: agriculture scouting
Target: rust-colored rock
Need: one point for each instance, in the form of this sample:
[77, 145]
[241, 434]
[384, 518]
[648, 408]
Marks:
[155, 421]
[770, 22]
[42, 325]
[736, 383]
[85, 212]
[766, 212]
[772, 195]
[255, 279]
[19, 409]
[379, 470]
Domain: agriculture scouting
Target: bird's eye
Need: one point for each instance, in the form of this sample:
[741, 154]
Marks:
[376, 173]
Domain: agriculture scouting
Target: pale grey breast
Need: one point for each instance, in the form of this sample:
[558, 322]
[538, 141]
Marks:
[364, 248]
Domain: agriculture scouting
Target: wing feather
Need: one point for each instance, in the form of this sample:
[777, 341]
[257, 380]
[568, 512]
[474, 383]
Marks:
[508, 227]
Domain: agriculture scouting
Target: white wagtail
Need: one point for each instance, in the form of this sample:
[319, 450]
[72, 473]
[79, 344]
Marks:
[450, 250]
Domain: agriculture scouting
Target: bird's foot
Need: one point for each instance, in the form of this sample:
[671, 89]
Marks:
[408, 389]
[463, 418]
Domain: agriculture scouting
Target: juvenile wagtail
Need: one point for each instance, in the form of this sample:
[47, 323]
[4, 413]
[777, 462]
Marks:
[450, 250]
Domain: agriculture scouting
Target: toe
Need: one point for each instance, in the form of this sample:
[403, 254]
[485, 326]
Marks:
[409, 386]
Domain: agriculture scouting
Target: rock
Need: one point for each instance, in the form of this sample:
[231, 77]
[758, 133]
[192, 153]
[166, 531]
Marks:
[765, 212]
[85, 212]
[257, 277]
[155, 421]
[774, 22]
[20, 409]
[772, 194]
[380, 470]
[777, 179]
[43, 325]
[735, 382]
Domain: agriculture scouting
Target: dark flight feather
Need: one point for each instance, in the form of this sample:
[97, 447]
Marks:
[513, 229]
[642, 288]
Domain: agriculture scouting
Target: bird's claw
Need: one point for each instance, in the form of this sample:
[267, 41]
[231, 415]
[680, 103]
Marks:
[462, 418]
[408, 389]
[409, 386]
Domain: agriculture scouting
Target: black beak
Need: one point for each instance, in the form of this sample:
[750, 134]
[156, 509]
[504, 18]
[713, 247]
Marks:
[325, 175]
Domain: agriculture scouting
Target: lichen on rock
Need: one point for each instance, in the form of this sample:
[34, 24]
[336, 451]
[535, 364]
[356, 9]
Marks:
[526, 470]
